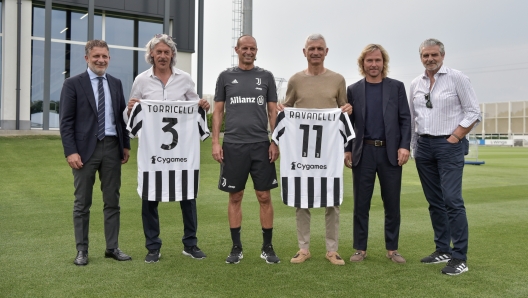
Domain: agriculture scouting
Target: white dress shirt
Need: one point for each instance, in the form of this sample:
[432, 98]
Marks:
[453, 99]
[180, 86]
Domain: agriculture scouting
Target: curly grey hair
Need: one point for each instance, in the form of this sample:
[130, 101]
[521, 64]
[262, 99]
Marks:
[431, 42]
[154, 41]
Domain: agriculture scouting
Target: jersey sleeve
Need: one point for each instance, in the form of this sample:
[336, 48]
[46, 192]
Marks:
[135, 121]
[280, 127]
[202, 124]
[345, 128]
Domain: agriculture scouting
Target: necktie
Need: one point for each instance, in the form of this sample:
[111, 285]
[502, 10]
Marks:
[101, 110]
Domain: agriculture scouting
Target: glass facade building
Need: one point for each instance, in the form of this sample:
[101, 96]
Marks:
[126, 27]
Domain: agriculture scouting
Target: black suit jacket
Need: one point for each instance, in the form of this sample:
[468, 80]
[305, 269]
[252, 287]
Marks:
[396, 116]
[78, 115]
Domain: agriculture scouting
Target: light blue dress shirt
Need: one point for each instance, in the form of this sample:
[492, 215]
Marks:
[110, 129]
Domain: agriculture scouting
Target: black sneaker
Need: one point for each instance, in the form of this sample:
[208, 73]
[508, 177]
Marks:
[235, 255]
[153, 256]
[193, 252]
[269, 255]
[455, 267]
[437, 257]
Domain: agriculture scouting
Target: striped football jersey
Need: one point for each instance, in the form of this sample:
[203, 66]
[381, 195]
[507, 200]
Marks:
[169, 148]
[312, 151]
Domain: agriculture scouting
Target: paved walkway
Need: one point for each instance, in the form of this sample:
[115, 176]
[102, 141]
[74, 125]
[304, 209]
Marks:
[29, 132]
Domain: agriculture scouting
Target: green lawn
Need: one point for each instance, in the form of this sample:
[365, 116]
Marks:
[37, 245]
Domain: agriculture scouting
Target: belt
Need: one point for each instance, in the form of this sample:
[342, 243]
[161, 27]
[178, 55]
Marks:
[377, 143]
[434, 137]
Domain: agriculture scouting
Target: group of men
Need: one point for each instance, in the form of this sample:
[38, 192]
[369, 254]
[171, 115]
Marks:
[441, 110]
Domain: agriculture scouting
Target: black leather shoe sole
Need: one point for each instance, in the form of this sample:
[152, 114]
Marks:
[117, 256]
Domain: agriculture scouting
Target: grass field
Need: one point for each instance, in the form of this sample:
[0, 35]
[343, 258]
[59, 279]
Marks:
[37, 245]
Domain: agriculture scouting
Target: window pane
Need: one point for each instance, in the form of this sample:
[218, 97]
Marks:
[142, 64]
[79, 27]
[491, 110]
[98, 27]
[121, 66]
[58, 23]
[502, 109]
[517, 109]
[147, 30]
[77, 62]
[38, 22]
[502, 126]
[119, 32]
[60, 69]
[490, 126]
[517, 125]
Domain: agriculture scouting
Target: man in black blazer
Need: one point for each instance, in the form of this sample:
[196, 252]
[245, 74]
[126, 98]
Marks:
[94, 140]
[382, 123]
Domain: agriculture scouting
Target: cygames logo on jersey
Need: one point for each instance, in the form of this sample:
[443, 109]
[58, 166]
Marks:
[304, 167]
[158, 159]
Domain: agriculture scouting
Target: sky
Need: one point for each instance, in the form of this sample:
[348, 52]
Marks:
[486, 39]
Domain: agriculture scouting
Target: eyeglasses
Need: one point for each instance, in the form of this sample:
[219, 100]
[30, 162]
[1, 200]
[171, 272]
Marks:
[161, 35]
[428, 103]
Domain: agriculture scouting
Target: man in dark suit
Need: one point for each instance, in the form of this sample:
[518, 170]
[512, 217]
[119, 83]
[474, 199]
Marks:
[94, 140]
[382, 123]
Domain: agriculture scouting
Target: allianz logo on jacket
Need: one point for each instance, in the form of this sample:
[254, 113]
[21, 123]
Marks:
[239, 99]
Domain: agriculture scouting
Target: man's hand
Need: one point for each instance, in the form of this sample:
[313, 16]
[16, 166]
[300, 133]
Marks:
[452, 139]
[74, 160]
[204, 104]
[348, 159]
[126, 155]
[218, 153]
[280, 107]
[403, 156]
[347, 108]
[273, 152]
[131, 104]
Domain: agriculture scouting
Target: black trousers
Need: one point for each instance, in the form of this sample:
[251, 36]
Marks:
[374, 161]
[151, 227]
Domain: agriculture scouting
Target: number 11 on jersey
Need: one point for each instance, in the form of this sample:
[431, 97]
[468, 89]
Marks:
[306, 139]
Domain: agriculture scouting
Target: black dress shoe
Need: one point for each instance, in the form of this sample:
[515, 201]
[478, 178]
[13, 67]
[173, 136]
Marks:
[82, 258]
[117, 254]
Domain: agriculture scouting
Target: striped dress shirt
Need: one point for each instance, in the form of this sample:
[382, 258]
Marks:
[453, 99]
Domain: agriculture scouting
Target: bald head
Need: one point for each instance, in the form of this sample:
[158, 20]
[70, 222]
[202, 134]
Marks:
[244, 38]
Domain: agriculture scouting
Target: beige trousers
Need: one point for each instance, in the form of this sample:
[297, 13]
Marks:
[303, 217]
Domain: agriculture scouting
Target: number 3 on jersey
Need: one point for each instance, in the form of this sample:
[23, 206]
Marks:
[306, 137]
[168, 128]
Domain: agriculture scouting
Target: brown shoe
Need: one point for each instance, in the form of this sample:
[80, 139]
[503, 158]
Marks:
[300, 257]
[396, 257]
[335, 258]
[358, 256]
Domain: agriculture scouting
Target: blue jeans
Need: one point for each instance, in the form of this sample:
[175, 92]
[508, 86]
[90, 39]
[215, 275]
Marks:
[440, 165]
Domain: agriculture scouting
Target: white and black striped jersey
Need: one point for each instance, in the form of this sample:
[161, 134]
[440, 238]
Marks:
[312, 145]
[169, 148]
